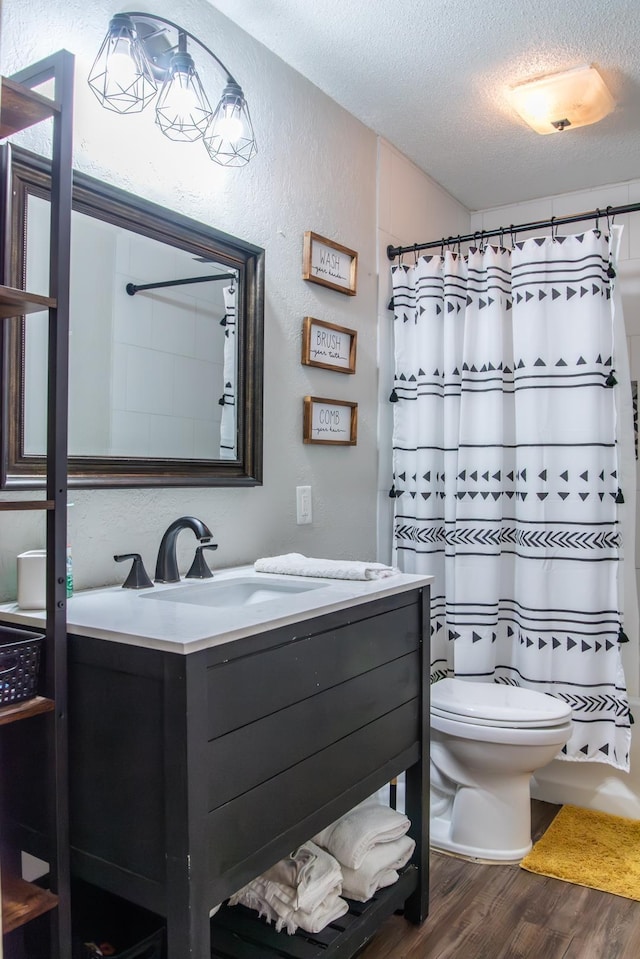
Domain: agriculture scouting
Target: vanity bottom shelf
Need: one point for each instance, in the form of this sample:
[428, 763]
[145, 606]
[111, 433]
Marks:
[238, 933]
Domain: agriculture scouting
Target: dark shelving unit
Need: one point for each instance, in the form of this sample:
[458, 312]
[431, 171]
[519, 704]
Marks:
[21, 106]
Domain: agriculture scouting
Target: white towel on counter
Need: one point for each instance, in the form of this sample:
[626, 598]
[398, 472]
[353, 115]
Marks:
[302, 890]
[295, 564]
[355, 834]
[378, 869]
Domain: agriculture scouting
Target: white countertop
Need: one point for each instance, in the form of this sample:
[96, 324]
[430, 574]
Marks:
[121, 615]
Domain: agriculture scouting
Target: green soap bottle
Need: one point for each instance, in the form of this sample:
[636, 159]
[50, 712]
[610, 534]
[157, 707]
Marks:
[69, 573]
[69, 568]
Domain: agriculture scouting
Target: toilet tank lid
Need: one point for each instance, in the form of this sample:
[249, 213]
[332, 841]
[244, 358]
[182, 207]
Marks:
[498, 702]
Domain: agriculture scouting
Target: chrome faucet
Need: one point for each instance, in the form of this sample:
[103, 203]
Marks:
[167, 564]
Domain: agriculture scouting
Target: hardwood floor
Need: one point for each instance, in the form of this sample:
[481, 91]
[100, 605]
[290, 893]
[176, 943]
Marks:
[503, 912]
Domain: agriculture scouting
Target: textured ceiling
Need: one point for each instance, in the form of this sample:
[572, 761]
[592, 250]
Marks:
[430, 76]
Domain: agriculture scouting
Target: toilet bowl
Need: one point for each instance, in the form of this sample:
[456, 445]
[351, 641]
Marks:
[487, 739]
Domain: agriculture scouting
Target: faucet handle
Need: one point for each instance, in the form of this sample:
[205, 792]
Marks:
[199, 568]
[137, 578]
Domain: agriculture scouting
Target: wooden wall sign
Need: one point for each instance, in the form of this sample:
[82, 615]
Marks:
[329, 263]
[329, 421]
[329, 346]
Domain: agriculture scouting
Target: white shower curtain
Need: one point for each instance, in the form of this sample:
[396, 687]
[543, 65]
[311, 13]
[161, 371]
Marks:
[506, 482]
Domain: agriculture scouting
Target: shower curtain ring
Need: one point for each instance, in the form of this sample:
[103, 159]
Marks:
[554, 229]
[611, 272]
[459, 250]
[597, 219]
[610, 219]
[442, 248]
[513, 234]
[415, 254]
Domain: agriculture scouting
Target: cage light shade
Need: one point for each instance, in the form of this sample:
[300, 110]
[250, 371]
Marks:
[559, 101]
[229, 138]
[121, 76]
[183, 111]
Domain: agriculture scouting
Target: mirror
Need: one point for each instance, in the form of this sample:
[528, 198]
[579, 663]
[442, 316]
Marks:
[165, 341]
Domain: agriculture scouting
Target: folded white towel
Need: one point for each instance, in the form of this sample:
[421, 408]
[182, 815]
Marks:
[362, 889]
[295, 564]
[252, 897]
[259, 896]
[327, 912]
[301, 890]
[352, 836]
[378, 869]
[308, 875]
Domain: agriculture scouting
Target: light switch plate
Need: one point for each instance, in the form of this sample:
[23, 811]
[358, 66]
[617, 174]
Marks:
[303, 505]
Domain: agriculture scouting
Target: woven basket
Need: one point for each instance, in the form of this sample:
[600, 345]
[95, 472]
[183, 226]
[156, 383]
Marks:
[19, 664]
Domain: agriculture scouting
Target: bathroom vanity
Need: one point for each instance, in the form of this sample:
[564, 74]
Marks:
[206, 743]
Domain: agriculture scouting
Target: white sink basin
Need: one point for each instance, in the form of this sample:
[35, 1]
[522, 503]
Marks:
[239, 591]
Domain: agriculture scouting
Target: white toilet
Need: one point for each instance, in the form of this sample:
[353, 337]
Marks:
[487, 739]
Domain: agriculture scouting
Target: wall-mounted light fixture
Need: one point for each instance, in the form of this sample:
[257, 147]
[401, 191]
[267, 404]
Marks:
[140, 56]
[559, 101]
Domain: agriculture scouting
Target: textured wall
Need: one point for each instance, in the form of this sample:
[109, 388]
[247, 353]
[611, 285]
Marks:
[316, 170]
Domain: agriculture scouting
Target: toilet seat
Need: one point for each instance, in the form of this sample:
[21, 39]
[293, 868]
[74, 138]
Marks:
[497, 705]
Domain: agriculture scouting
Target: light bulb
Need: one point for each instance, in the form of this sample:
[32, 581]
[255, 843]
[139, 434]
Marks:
[182, 98]
[122, 69]
[183, 111]
[121, 77]
[230, 126]
[229, 138]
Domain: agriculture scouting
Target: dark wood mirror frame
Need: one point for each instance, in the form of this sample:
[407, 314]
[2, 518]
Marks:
[25, 173]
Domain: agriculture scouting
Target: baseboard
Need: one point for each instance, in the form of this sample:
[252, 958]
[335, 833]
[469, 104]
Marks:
[594, 785]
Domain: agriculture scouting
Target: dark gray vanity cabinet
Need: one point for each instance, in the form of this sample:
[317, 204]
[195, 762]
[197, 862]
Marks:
[191, 774]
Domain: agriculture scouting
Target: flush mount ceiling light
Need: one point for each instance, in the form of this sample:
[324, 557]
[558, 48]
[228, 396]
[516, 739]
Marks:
[559, 101]
[143, 53]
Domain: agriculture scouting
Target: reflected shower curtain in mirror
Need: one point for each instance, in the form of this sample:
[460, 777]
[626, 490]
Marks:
[228, 443]
[506, 482]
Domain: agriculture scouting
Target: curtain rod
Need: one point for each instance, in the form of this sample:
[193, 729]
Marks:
[133, 288]
[610, 211]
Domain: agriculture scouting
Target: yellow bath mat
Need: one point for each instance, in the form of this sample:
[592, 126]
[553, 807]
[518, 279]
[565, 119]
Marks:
[590, 848]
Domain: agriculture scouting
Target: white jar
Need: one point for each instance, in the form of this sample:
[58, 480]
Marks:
[32, 567]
